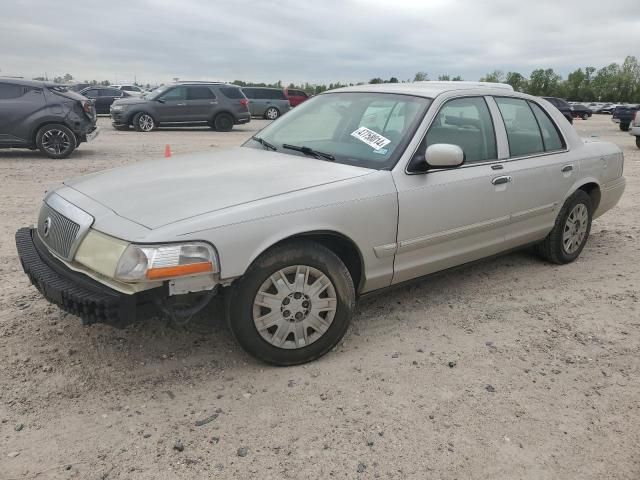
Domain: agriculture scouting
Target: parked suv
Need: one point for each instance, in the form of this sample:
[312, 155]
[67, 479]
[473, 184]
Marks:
[133, 90]
[295, 96]
[219, 105]
[623, 114]
[46, 116]
[103, 97]
[561, 105]
[581, 111]
[634, 128]
[269, 103]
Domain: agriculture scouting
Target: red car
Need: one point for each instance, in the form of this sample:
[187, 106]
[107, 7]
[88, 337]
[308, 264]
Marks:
[296, 97]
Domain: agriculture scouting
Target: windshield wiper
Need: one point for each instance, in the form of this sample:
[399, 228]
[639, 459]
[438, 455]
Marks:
[310, 151]
[264, 143]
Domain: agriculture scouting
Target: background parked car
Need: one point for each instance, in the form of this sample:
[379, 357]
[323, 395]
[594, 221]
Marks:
[623, 114]
[269, 103]
[607, 108]
[561, 105]
[295, 96]
[103, 97]
[581, 111]
[219, 105]
[634, 128]
[132, 90]
[46, 116]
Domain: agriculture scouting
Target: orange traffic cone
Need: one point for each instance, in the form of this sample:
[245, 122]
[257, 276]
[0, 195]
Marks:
[167, 151]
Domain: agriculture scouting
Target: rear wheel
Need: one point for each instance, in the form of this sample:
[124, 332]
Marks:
[56, 141]
[624, 127]
[293, 305]
[223, 122]
[585, 116]
[272, 113]
[571, 230]
[143, 122]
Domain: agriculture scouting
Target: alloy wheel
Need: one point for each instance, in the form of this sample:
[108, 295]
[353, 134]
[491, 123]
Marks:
[146, 123]
[575, 228]
[294, 307]
[55, 141]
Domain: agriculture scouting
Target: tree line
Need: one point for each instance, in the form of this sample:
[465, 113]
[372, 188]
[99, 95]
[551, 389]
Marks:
[613, 83]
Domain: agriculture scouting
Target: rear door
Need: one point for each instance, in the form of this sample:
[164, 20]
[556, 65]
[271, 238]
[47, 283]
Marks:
[18, 105]
[201, 103]
[540, 167]
[172, 105]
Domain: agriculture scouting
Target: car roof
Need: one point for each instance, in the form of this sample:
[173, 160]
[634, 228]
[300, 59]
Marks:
[30, 83]
[263, 88]
[427, 89]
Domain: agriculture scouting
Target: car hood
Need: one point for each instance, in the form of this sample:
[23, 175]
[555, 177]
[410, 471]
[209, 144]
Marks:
[160, 192]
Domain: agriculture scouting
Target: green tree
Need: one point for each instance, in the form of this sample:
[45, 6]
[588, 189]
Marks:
[517, 81]
[444, 78]
[544, 83]
[393, 80]
[421, 77]
[497, 76]
[376, 80]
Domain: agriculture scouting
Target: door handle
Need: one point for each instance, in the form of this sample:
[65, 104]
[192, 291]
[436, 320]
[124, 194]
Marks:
[566, 168]
[502, 180]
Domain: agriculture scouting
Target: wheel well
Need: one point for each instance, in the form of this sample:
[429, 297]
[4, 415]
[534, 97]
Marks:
[34, 134]
[342, 246]
[222, 113]
[593, 190]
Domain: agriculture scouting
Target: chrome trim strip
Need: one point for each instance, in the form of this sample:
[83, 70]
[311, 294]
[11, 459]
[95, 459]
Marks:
[454, 233]
[73, 213]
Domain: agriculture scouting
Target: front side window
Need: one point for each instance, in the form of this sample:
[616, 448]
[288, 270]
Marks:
[465, 122]
[522, 128]
[364, 129]
[175, 94]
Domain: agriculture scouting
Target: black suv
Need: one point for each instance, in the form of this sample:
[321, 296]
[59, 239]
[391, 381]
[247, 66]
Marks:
[562, 105]
[219, 105]
[103, 97]
[624, 114]
[44, 115]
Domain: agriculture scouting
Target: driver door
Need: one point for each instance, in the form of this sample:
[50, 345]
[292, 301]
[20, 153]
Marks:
[172, 105]
[448, 217]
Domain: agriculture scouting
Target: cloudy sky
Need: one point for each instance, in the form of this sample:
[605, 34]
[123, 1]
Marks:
[320, 41]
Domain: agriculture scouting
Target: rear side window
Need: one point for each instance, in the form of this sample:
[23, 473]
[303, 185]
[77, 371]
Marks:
[200, 93]
[91, 93]
[550, 135]
[232, 93]
[465, 122]
[276, 95]
[522, 128]
[8, 91]
[110, 92]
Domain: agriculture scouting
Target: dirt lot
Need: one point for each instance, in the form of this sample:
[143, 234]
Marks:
[510, 369]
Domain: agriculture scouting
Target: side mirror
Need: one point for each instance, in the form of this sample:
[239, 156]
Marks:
[444, 155]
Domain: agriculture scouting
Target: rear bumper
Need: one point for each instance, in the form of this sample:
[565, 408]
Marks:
[610, 195]
[243, 118]
[77, 293]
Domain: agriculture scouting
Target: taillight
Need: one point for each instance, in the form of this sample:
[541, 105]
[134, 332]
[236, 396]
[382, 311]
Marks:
[244, 102]
[86, 106]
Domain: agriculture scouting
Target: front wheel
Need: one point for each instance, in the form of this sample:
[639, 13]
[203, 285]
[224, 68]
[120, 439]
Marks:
[293, 305]
[571, 230]
[143, 122]
[56, 141]
[272, 113]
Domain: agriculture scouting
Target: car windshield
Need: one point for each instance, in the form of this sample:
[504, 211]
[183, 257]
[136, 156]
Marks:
[369, 130]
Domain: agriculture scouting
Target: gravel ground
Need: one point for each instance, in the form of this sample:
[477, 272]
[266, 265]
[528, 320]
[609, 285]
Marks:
[509, 369]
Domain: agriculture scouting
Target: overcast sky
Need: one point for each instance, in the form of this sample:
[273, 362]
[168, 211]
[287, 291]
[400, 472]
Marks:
[320, 41]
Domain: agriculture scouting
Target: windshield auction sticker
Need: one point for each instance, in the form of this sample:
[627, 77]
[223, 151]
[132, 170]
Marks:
[371, 138]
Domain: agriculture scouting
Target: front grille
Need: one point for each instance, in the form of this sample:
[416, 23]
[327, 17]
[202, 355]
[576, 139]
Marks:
[57, 231]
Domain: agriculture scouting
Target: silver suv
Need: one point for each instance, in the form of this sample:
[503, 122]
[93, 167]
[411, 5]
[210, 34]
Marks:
[353, 191]
[219, 105]
[267, 103]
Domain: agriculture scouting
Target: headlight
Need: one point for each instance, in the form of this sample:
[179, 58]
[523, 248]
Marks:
[118, 108]
[141, 263]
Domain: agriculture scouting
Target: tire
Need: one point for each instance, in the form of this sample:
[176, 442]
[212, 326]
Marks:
[271, 113]
[624, 127]
[223, 122]
[144, 122]
[638, 142]
[585, 116]
[297, 334]
[554, 247]
[56, 141]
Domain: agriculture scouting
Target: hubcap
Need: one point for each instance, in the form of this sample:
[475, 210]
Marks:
[272, 114]
[146, 123]
[294, 307]
[55, 141]
[575, 228]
